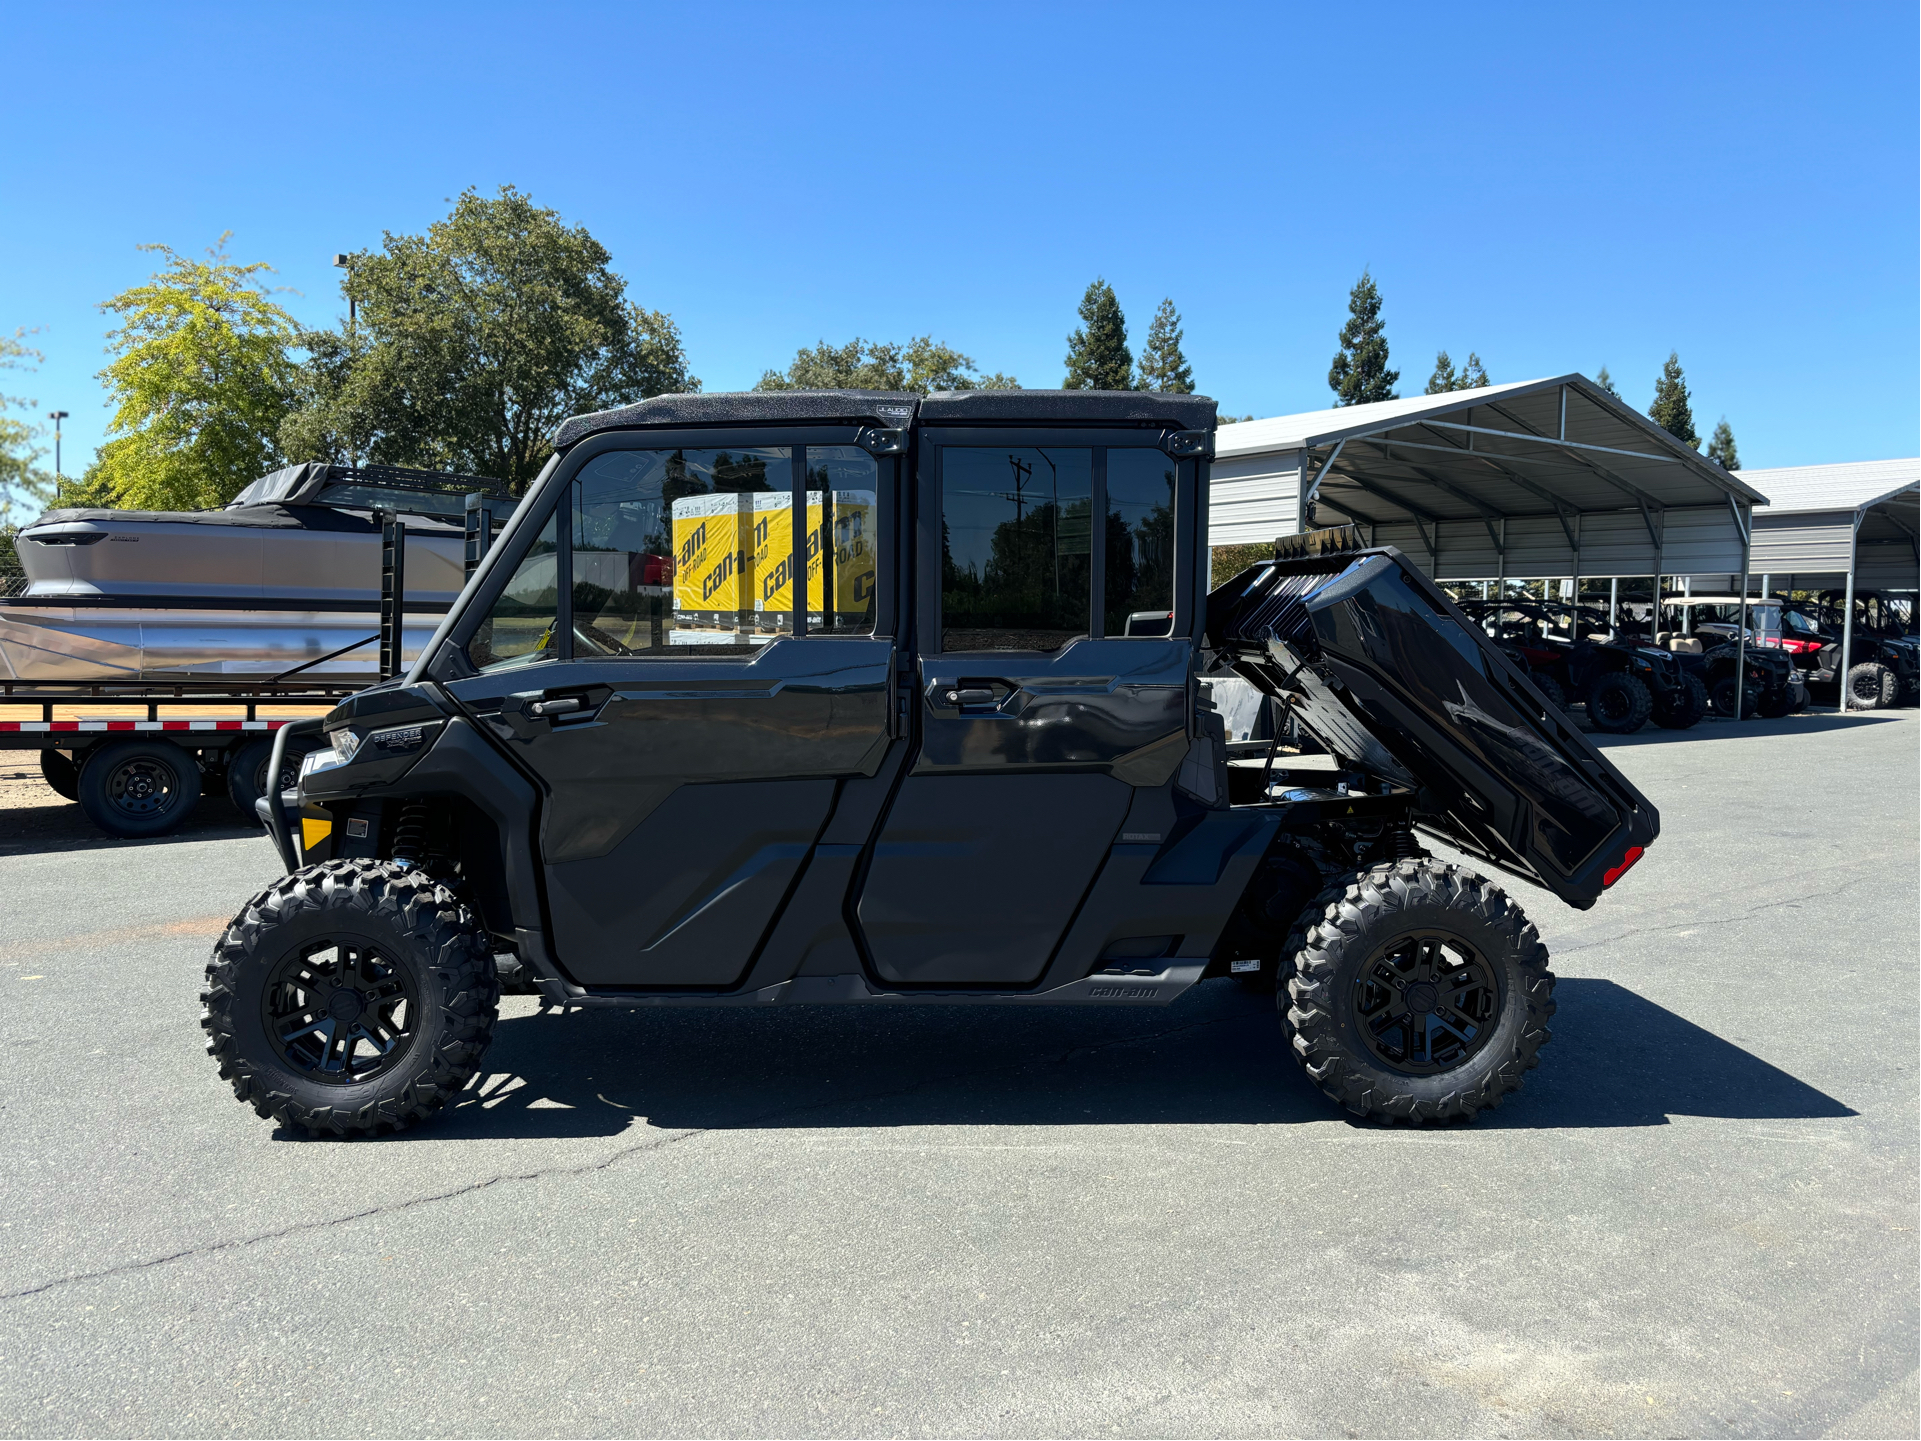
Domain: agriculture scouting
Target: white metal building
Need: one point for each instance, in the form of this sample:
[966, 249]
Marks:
[1551, 477]
[1828, 526]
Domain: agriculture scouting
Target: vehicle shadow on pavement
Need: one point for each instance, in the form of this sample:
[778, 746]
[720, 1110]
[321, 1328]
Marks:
[60, 825]
[1215, 1057]
[1719, 728]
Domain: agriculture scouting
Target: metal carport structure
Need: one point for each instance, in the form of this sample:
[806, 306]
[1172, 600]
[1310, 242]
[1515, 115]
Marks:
[1552, 477]
[1840, 527]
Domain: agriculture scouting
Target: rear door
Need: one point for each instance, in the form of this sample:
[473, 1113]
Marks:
[691, 655]
[1037, 715]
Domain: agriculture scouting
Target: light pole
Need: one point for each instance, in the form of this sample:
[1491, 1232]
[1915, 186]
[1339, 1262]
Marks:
[340, 263]
[56, 416]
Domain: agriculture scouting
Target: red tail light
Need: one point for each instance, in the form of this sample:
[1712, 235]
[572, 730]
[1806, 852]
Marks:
[1609, 877]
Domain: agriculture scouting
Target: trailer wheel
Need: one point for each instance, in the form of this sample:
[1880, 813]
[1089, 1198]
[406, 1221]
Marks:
[350, 998]
[61, 774]
[1688, 714]
[1420, 993]
[1619, 703]
[139, 788]
[247, 774]
[1871, 686]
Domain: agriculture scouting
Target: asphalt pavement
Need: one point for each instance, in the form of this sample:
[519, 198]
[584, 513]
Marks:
[1698, 1218]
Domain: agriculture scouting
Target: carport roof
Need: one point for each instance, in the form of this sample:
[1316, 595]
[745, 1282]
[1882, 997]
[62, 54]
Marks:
[1559, 446]
[1850, 486]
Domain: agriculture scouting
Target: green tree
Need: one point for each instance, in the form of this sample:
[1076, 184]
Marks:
[1471, 376]
[1721, 446]
[199, 385]
[23, 484]
[475, 340]
[1671, 410]
[1097, 353]
[922, 365]
[1606, 382]
[1163, 366]
[1359, 374]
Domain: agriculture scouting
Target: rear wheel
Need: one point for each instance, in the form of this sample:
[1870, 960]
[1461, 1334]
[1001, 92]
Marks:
[1420, 992]
[350, 998]
[1723, 698]
[1551, 691]
[1776, 703]
[1688, 710]
[1871, 686]
[139, 788]
[1619, 703]
[61, 774]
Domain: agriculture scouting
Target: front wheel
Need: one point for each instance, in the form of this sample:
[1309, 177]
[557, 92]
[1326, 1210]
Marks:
[349, 998]
[1420, 993]
[1550, 690]
[1871, 686]
[1619, 703]
[1688, 709]
[1724, 694]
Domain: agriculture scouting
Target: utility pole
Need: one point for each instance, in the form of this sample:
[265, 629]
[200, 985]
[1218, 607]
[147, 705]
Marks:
[340, 263]
[56, 416]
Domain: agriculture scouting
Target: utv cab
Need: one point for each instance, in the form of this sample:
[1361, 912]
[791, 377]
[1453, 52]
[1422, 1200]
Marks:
[922, 717]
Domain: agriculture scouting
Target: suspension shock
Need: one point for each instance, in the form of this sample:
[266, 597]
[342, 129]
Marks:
[1403, 842]
[410, 832]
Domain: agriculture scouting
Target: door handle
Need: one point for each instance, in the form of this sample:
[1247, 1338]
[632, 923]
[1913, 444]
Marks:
[968, 695]
[559, 706]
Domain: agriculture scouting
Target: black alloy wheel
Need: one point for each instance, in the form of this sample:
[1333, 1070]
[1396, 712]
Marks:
[1425, 1004]
[1619, 703]
[1871, 686]
[1723, 699]
[247, 773]
[139, 788]
[340, 1012]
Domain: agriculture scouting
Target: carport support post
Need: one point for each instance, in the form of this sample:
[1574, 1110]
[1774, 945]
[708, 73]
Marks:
[1614, 600]
[1847, 629]
[1741, 631]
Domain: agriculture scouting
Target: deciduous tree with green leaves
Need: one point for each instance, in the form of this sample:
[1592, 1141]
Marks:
[1721, 446]
[922, 365]
[1163, 366]
[199, 384]
[1359, 374]
[475, 340]
[1671, 410]
[25, 488]
[1097, 353]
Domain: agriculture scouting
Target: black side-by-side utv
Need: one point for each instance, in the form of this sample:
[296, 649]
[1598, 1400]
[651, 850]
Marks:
[833, 696]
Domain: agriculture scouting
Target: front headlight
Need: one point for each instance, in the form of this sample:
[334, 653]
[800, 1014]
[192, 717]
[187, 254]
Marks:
[345, 743]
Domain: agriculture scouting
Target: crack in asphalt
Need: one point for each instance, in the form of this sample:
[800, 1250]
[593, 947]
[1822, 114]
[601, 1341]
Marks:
[652, 1144]
[1701, 922]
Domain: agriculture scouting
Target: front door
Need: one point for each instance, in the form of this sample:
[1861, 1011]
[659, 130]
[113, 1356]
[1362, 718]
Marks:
[1038, 714]
[688, 659]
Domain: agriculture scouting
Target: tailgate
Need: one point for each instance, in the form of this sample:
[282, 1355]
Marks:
[1381, 669]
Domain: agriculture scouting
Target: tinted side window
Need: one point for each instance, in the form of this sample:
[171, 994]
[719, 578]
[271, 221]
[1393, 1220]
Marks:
[1139, 558]
[520, 628]
[688, 551]
[1015, 547]
[842, 535]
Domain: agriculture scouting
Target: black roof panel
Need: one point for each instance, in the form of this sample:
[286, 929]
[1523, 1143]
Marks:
[888, 409]
[1188, 412]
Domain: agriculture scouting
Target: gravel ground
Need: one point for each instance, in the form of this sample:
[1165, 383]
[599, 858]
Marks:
[1698, 1218]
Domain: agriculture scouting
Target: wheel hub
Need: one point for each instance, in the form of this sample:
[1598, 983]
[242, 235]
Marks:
[1425, 1004]
[340, 1011]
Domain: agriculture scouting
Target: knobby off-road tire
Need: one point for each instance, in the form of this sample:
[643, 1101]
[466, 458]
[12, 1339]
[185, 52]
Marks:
[350, 998]
[1871, 686]
[1723, 699]
[1619, 703]
[1366, 944]
[1690, 712]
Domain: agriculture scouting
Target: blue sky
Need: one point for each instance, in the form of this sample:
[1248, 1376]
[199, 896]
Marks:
[1555, 187]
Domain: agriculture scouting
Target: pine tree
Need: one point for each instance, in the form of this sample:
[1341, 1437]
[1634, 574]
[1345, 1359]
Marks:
[1443, 379]
[1097, 353]
[1606, 382]
[1671, 410]
[1163, 366]
[1359, 374]
[1721, 447]
[1473, 374]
